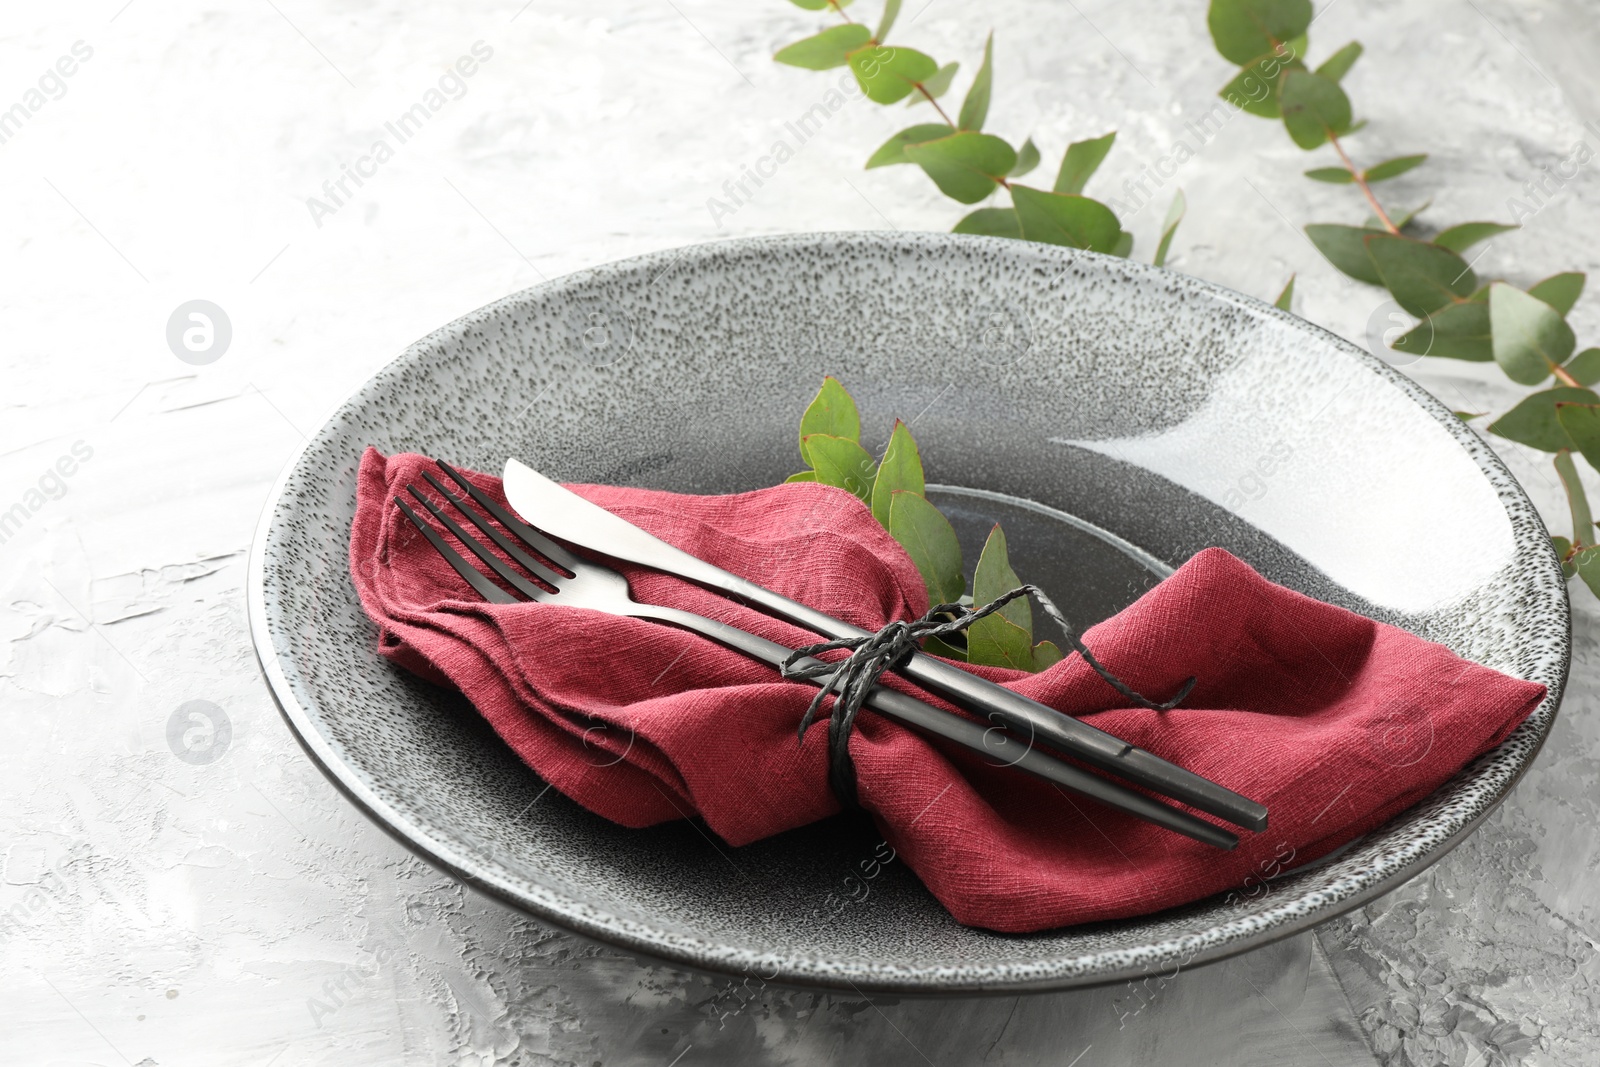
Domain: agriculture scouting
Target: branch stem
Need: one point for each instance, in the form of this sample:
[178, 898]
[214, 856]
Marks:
[1366, 190]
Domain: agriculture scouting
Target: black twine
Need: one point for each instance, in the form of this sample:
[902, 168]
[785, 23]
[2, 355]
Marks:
[851, 679]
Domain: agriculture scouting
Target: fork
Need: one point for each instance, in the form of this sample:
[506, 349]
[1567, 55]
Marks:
[557, 576]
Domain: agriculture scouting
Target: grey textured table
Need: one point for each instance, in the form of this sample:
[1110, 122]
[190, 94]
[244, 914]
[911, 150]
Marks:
[157, 910]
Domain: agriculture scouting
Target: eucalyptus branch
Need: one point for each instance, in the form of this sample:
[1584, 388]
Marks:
[965, 163]
[1459, 316]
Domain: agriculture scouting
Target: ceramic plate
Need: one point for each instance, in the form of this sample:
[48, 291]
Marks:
[1116, 417]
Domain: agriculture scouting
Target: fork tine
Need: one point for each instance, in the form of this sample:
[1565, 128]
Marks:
[475, 578]
[477, 548]
[538, 568]
[521, 530]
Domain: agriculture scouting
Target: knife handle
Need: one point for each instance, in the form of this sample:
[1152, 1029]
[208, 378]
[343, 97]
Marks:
[1029, 718]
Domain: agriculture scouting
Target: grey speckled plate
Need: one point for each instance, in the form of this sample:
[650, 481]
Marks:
[1161, 414]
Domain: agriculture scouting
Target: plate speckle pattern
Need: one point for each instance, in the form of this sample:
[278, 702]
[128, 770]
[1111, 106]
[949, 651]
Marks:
[1038, 372]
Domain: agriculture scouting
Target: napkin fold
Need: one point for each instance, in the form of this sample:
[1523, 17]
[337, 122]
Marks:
[1335, 722]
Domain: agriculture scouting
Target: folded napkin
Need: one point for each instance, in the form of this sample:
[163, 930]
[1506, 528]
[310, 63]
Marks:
[1334, 721]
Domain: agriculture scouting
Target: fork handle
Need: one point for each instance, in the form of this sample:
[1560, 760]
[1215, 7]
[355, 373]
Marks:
[1031, 719]
[986, 741]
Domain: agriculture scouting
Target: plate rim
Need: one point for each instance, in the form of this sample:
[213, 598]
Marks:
[1248, 931]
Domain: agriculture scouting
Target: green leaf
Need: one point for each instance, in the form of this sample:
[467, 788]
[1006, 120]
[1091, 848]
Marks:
[1533, 421]
[1065, 219]
[1530, 336]
[1393, 168]
[975, 108]
[937, 647]
[1169, 226]
[1336, 66]
[1285, 298]
[965, 166]
[1587, 563]
[1027, 159]
[1563, 549]
[1081, 160]
[889, 73]
[1461, 237]
[1345, 247]
[832, 411]
[1257, 86]
[1331, 175]
[1577, 500]
[1455, 331]
[1560, 291]
[802, 476]
[841, 462]
[1585, 366]
[937, 85]
[900, 471]
[830, 48]
[991, 222]
[929, 540]
[1004, 639]
[1468, 416]
[1124, 246]
[815, 5]
[1046, 654]
[1244, 29]
[1314, 107]
[891, 11]
[894, 149]
[1402, 220]
[1421, 277]
[1582, 423]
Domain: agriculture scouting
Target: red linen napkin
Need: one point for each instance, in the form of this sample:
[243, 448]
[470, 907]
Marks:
[1333, 721]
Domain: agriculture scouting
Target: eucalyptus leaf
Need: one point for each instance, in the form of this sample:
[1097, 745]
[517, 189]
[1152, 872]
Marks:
[1004, 639]
[1046, 655]
[1582, 424]
[1421, 277]
[975, 108]
[1081, 160]
[891, 11]
[802, 476]
[1530, 336]
[1336, 66]
[1314, 108]
[1455, 331]
[1563, 549]
[1533, 421]
[991, 222]
[1586, 561]
[931, 542]
[1560, 291]
[937, 85]
[1585, 366]
[1245, 29]
[1258, 85]
[832, 411]
[1393, 168]
[1401, 220]
[840, 462]
[1065, 219]
[830, 48]
[1027, 159]
[1577, 500]
[1345, 247]
[900, 471]
[1331, 175]
[1468, 416]
[893, 150]
[814, 5]
[1169, 226]
[965, 166]
[1285, 298]
[1464, 235]
[888, 73]
[1124, 246]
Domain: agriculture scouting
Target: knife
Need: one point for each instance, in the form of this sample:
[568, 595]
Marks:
[567, 516]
